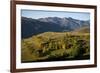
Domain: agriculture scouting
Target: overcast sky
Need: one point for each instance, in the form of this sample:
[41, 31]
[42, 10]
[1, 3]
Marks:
[42, 14]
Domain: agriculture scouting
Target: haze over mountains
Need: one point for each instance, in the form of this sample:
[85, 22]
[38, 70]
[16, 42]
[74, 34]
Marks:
[30, 27]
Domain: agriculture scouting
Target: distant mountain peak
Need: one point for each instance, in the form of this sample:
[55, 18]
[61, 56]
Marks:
[50, 24]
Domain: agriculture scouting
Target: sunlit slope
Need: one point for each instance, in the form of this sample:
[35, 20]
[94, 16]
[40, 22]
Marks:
[56, 46]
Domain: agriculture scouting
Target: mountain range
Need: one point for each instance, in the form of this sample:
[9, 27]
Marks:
[30, 27]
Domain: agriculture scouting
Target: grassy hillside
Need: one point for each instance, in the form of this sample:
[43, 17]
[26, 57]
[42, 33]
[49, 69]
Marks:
[56, 46]
[83, 30]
